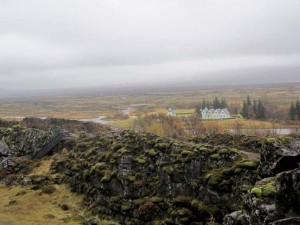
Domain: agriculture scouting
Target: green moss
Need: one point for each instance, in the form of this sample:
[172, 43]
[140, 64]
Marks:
[269, 190]
[245, 187]
[122, 151]
[237, 170]
[125, 207]
[206, 151]
[184, 219]
[115, 199]
[249, 164]
[151, 152]
[168, 169]
[224, 151]
[234, 150]
[90, 152]
[184, 212]
[195, 203]
[285, 140]
[141, 159]
[215, 156]
[131, 178]
[267, 186]
[202, 207]
[163, 146]
[138, 202]
[218, 181]
[107, 177]
[270, 140]
[116, 146]
[156, 199]
[98, 167]
[16, 127]
[265, 181]
[182, 200]
[256, 192]
[186, 153]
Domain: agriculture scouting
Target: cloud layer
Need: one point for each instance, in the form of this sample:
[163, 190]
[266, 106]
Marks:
[64, 43]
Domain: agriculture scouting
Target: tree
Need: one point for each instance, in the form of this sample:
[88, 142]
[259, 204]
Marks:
[297, 110]
[236, 111]
[223, 103]
[255, 108]
[248, 101]
[245, 110]
[292, 112]
[216, 103]
[198, 109]
[261, 111]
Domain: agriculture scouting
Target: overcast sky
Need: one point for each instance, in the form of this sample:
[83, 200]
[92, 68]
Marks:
[81, 43]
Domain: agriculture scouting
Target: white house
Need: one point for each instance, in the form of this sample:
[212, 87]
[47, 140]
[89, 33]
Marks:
[215, 114]
[171, 112]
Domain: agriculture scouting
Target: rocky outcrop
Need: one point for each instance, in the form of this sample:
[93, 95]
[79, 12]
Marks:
[4, 149]
[276, 198]
[142, 178]
[279, 155]
[73, 126]
[239, 141]
[23, 142]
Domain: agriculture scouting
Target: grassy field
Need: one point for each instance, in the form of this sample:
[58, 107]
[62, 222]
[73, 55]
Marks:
[183, 100]
[21, 205]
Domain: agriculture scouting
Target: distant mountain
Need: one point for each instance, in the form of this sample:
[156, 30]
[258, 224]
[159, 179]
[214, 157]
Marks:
[241, 77]
[249, 76]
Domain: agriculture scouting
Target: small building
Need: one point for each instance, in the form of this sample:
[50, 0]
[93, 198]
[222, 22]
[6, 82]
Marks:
[171, 112]
[215, 114]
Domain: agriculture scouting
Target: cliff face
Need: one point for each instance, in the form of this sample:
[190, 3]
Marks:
[22, 141]
[142, 178]
[275, 199]
[139, 178]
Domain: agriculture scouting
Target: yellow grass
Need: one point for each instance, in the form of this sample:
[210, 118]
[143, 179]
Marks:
[123, 124]
[43, 168]
[22, 206]
[242, 124]
[164, 111]
[32, 207]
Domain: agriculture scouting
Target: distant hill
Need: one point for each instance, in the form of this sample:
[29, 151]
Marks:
[247, 76]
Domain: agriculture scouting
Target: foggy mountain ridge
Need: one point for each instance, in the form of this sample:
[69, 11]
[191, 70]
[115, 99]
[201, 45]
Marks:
[236, 78]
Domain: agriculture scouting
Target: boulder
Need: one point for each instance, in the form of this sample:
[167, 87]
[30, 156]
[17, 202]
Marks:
[279, 155]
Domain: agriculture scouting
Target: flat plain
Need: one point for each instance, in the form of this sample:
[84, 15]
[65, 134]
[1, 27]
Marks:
[151, 101]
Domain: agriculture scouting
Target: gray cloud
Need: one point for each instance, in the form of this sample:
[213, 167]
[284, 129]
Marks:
[64, 43]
